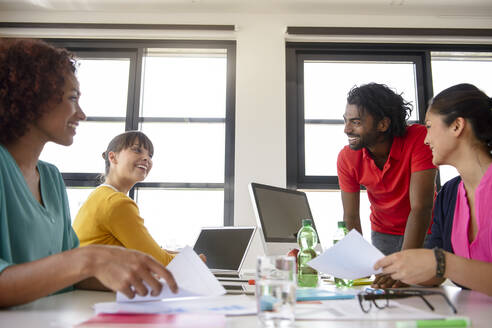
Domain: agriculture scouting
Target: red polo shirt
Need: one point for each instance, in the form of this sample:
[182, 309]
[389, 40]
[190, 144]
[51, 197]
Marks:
[387, 189]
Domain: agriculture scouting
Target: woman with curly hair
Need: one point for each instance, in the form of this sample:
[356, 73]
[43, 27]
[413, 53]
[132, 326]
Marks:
[39, 252]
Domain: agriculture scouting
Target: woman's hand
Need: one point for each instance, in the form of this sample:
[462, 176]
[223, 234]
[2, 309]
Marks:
[126, 270]
[385, 281]
[411, 266]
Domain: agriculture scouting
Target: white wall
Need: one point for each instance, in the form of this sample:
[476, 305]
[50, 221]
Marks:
[260, 152]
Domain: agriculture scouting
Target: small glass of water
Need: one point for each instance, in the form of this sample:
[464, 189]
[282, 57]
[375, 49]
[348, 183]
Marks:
[276, 290]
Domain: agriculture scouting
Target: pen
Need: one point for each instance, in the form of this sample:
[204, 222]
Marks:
[451, 322]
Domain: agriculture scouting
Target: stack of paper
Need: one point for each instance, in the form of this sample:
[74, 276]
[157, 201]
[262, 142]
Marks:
[198, 292]
[193, 277]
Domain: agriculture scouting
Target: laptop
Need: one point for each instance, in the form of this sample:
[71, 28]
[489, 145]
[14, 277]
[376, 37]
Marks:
[279, 213]
[225, 248]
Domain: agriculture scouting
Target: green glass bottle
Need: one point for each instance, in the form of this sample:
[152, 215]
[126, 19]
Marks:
[340, 234]
[307, 240]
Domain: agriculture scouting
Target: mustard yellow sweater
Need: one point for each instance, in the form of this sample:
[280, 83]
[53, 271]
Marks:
[110, 217]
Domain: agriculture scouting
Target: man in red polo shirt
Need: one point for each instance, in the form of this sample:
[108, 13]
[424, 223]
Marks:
[390, 159]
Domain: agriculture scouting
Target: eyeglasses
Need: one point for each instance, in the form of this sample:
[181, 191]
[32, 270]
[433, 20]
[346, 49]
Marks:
[380, 297]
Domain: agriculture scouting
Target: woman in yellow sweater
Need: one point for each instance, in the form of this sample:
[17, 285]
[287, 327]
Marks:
[109, 216]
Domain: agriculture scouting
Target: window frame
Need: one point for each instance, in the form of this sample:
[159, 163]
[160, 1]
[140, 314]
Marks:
[135, 51]
[296, 52]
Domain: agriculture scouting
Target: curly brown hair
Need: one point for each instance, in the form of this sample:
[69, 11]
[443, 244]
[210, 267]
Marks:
[31, 74]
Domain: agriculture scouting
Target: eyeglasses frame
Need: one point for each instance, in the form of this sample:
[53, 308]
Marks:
[396, 293]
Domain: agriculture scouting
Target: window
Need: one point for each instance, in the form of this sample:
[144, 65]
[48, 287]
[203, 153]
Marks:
[179, 93]
[450, 68]
[104, 85]
[319, 76]
[184, 112]
[326, 83]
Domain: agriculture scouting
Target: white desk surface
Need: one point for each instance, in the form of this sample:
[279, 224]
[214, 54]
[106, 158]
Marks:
[69, 309]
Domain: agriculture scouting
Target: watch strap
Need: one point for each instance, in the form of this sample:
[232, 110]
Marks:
[440, 262]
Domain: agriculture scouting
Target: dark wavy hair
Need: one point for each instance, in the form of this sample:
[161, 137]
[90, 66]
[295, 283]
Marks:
[380, 101]
[31, 74]
[123, 141]
[467, 101]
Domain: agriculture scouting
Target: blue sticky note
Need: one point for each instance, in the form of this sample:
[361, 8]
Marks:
[267, 302]
[317, 294]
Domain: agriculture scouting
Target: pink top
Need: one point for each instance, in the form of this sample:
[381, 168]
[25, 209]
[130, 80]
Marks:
[481, 247]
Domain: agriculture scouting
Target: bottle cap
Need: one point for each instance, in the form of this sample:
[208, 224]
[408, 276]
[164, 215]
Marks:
[341, 224]
[306, 222]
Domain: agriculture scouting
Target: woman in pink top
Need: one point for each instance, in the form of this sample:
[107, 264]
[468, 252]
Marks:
[459, 133]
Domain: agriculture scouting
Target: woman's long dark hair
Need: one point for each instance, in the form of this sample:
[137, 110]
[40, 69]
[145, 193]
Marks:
[467, 101]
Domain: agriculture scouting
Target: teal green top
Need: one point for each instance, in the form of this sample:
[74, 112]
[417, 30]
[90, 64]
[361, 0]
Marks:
[28, 230]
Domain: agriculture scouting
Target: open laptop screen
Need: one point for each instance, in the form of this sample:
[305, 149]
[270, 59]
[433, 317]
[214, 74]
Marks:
[280, 212]
[224, 247]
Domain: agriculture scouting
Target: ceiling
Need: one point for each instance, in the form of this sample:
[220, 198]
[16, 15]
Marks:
[476, 8]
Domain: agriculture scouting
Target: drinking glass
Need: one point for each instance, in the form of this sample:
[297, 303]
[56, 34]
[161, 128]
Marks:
[276, 290]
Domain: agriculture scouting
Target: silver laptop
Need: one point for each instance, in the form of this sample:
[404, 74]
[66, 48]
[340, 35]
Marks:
[225, 249]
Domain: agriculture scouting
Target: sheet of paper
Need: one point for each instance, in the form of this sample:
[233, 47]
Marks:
[193, 277]
[350, 310]
[227, 305]
[351, 258]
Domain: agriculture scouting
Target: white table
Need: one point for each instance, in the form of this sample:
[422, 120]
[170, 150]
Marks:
[69, 309]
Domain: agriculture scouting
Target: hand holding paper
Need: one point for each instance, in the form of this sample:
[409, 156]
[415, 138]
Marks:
[192, 276]
[350, 258]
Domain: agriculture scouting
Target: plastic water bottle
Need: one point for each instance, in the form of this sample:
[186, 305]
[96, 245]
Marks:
[307, 240]
[339, 235]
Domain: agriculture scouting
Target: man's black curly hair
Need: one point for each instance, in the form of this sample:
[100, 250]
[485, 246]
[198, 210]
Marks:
[379, 101]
